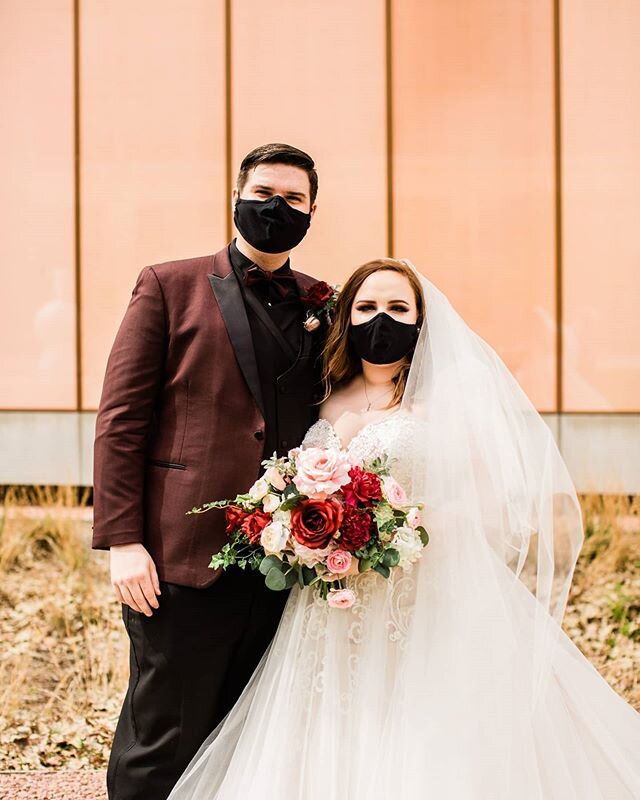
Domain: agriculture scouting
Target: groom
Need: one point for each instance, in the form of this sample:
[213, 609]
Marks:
[211, 371]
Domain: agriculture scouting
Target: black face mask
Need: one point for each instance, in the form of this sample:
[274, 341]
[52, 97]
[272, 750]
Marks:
[382, 339]
[271, 226]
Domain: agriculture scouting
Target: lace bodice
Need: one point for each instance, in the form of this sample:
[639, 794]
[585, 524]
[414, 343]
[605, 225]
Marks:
[398, 435]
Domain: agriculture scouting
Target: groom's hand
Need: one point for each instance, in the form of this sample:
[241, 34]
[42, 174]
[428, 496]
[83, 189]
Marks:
[134, 577]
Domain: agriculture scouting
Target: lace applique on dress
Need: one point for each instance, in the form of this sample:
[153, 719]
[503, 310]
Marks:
[321, 434]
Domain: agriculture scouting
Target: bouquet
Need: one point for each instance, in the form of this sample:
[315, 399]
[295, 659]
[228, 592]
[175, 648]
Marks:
[314, 517]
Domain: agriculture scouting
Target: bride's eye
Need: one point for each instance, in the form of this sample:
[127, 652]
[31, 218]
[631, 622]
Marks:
[365, 307]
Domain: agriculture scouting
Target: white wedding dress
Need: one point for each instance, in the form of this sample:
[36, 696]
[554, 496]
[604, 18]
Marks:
[405, 696]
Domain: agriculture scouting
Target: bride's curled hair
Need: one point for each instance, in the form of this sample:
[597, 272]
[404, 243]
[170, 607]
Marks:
[340, 363]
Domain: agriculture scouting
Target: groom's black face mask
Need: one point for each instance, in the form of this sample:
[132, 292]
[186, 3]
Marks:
[271, 226]
[382, 339]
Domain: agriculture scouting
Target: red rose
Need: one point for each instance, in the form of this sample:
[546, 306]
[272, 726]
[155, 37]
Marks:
[364, 488]
[314, 522]
[253, 525]
[317, 295]
[355, 529]
[234, 516]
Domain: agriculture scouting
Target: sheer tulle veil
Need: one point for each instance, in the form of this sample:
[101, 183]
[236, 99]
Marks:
[500, 505]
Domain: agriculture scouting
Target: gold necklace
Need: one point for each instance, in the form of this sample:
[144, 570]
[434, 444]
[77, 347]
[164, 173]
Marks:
[375, 399]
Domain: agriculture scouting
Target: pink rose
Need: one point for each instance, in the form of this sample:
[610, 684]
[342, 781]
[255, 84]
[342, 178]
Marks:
[275, 478]
[341, 598]
[321, 472]
[414, 518]
[339, 562]
[394, 493]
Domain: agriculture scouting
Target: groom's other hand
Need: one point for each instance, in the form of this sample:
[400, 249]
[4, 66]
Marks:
[134, 577]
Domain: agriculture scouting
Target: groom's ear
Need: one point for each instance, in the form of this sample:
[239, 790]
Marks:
[313, 210]
[235, 194]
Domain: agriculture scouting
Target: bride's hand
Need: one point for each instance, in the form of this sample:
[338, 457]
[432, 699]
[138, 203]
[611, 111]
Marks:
[134, 577]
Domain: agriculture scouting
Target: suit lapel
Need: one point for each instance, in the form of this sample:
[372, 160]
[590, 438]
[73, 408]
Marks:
[229, 296]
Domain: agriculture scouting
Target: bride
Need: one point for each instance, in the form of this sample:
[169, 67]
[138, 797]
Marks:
[452, 679]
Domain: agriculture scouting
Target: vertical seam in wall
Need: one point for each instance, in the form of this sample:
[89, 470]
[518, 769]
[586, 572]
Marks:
[228, 137]
[559, 310]
[389, 126]
[77, 205]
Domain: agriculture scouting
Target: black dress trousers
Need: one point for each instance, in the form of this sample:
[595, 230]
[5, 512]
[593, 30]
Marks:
[190, 662]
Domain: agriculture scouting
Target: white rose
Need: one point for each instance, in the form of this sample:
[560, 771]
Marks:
[275, 478]
[409, 544]
[259, 489]
[284, 517]
[270, 502]
[274, 538]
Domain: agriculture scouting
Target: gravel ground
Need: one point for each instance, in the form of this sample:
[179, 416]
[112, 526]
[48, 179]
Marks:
[49, 785]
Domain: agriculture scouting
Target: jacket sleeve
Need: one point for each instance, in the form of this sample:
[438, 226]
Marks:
[131, 385]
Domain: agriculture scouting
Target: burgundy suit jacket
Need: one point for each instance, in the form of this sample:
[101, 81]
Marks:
[180, 419]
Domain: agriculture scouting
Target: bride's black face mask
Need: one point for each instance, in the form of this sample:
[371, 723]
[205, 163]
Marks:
[382, 339]
[271, 226]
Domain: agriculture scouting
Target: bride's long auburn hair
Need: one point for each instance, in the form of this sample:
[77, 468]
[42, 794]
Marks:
[340, 364]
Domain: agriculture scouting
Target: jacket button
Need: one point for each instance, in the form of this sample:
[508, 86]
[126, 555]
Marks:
[259, 435]
[284, 443]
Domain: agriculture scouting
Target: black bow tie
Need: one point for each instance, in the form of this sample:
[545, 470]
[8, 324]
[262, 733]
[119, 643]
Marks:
[282, 282]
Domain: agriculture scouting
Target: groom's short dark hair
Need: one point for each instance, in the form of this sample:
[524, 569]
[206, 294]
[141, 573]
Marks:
[279, 154]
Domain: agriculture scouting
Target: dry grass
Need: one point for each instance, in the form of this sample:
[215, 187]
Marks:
[64, 653]
[603, 616]
[63, 666]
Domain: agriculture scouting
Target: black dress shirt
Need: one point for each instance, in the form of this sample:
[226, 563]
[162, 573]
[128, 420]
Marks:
[287, 313]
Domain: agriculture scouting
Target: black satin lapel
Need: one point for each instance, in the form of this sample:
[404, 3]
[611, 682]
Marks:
[229, 297]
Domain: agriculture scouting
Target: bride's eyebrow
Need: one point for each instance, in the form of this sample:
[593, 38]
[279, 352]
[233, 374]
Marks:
[374, 302]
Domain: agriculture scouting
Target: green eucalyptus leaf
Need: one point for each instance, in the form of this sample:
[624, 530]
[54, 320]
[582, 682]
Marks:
[382, 570]
[308, 574]
[291, 578]
[424, 536]
[390, 557]
[268, 563]
[275, 580]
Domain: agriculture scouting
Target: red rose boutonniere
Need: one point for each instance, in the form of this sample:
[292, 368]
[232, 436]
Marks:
[319, 300]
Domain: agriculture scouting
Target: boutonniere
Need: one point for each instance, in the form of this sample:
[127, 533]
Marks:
[319, 300]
